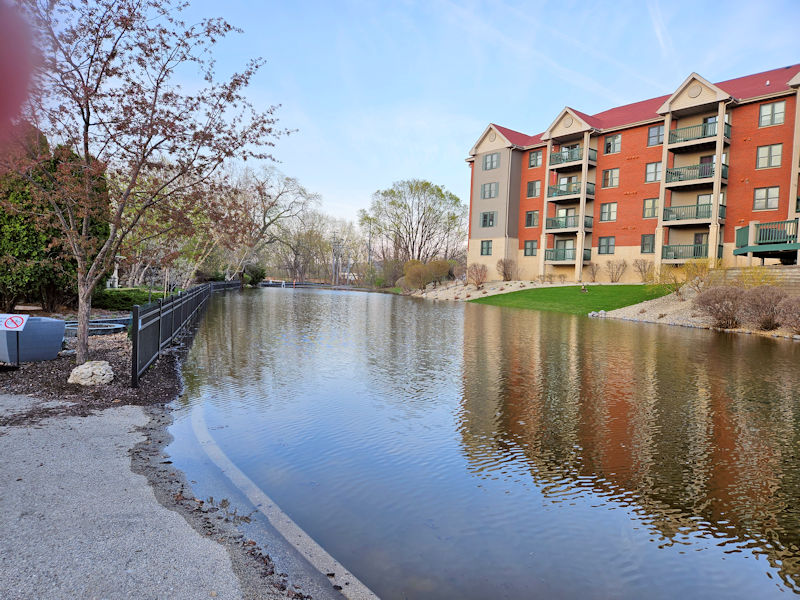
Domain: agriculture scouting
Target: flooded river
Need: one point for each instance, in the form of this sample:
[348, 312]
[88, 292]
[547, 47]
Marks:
[443, 450]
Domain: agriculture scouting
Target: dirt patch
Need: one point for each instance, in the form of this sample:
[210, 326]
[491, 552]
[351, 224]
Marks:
[47, 380]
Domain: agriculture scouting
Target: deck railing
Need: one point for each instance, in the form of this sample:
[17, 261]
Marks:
[568, 189]
[777, 232]
[689, 211]
[690, 172]
[560, 254]
[696, 132]
[684, 251]
[561, 157]
[742, 236]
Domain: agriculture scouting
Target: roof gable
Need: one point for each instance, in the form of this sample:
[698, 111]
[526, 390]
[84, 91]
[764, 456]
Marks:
[569, 121]
[694, 91]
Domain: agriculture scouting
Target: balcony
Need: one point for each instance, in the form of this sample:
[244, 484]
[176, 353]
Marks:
[694, 174]
[697, 134]
[775, 239]
[571, 155]
[568, 222]
[691, 212]
[566, 254]
[569, 189]
[684, 251]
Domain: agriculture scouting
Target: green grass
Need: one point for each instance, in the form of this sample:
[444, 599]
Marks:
[123, 298]
[571, 300]
[395, 290]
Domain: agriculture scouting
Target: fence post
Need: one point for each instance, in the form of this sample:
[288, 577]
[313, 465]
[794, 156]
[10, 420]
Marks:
[135, 346]
[160, 305]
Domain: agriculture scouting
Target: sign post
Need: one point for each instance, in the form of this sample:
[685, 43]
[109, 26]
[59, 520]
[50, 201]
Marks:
[15, 323]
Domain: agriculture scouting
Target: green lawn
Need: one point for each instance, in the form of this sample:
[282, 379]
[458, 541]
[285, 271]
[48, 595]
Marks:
[570, 299]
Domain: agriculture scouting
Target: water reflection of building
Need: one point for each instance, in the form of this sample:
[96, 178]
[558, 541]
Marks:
[676, 424]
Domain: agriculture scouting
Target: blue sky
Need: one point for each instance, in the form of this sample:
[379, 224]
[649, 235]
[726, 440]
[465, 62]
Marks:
[384, 91]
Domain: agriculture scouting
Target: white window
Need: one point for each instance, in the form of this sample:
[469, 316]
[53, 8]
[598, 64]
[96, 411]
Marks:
[652, 172]
[489, 190]
[765, 198]
[534, 189]
[771, 114]
[769, 156]
[611, 178]
[613, 143]
[488, 219]
[535, 159]
[655, 135]
[608, 211]
[491, 161]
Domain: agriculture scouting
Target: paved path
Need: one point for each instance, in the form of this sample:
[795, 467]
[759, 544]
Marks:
[75, 522]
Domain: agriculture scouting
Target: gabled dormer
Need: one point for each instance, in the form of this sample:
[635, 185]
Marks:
[567, 125]
[491, 139]
[693, 95]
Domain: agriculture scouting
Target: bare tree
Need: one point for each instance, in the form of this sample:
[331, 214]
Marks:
[615, 269]
[477, 273]
[106, 95]
[644, 268]
[594, 270]
[417, 220]
[506, 268]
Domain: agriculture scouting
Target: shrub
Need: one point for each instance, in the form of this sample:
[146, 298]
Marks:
[760, 306]
[401, 283]
[644, 268]
[594, 269]
[256, 273]
[789, 313]
[698, 273]
[670, 278]
[722, 304]
[438, 270]
[615, 269]
[123, 298]
[477, 273]
[410, 264]
[506, 268]
[751, 277]
[459, 271]
[418, 275]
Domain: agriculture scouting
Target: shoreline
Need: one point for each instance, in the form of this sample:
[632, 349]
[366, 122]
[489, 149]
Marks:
[54, 406]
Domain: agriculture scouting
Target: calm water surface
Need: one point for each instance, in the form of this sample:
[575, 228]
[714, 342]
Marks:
[465, 451]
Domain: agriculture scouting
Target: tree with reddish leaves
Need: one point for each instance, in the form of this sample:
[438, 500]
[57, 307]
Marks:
[106, 91]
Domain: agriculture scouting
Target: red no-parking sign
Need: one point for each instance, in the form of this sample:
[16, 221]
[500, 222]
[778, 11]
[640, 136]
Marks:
[13, 322]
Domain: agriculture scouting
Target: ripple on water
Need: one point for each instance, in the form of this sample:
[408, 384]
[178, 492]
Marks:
[470, 452]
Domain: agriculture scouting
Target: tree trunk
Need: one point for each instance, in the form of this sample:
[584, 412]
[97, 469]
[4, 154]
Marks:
[84, 312]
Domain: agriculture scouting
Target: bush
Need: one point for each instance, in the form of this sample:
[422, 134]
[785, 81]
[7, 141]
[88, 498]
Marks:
[594, 270]
[698, 273]
[401, 283]
[751, 277]
[722, 304]
[615, 269]
[644, 268]
[477, 273]
[123, 298]
[410, 264]
[670, 278]
[506, 268]
[417, 275]
[789, 313]
[256, 273]
[459, 271]
[438, 270]
[760, 307]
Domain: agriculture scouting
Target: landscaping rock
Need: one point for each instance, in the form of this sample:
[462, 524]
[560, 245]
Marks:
[94, 372]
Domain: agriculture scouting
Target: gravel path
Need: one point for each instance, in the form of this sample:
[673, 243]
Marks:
[77, 523]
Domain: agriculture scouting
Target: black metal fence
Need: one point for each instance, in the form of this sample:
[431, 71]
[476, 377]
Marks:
[155, 326]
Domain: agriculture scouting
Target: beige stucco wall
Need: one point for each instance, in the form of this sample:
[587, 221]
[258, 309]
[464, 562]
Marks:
[561, 129]
[486, 144]
[499, 204]
[502, 247]
[691, 158]
[528, 266]
[696, 119]
[682, 100]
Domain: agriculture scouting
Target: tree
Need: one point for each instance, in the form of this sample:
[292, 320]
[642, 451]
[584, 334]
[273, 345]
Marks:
[615, 269]
[506, 268]
[477, 273]
[416, 219]
[107, 90]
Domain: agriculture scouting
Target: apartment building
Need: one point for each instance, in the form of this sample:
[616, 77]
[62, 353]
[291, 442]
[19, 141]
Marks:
[708, 172]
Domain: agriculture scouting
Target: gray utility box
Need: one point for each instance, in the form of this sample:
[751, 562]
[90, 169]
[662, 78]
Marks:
[40, 340]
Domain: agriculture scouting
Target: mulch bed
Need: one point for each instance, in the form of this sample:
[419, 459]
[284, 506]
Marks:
[47, 380]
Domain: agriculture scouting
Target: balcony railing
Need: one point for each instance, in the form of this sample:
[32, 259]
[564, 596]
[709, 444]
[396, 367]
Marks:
[568, 222]
[696, 132]
[777, 232]
[684, 251]
[701, 171]
[571, 155]
[742, 236]
[566, 254]
[568, 189]
[690, 211]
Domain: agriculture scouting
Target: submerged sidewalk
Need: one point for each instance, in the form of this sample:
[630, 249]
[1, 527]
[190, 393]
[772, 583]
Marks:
[78, 523]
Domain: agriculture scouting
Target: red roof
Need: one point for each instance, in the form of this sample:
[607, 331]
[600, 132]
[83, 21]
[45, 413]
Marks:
[741, 88]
